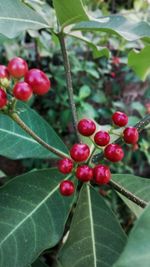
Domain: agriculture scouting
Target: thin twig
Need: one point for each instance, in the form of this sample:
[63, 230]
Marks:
[128, 194]
[19, 121]
[69, 83]
[140, 126]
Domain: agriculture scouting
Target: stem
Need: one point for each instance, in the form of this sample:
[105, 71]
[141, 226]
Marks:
[69, 83]
[18, 120]
[128, 194]
[140, 126]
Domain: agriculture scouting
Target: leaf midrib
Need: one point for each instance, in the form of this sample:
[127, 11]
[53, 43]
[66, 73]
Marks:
[18, 135]
[24, 20]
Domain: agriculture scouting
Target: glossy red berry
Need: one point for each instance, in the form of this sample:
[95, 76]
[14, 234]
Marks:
[130, 135]
[17, 67]
[102, 138]
[84, 173]
[80, 152]
[4, 72]
[86, 127]
[65, 165]
[102, 174]
[38, 80]
[120, 119]
[22, 91]
[3, 98]
[114, 152]
[67, 188]
[113, 75]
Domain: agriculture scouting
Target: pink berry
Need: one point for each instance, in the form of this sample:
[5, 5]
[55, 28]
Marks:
[80, 152]
[102, 174]
[67, 188]
[3, 98]
[22, 91]
[17, 67]
[4, 72]
[65, 165]
[130, 135]
[38, 80]
[86, 127]
[120, 119]
[84, 173]
[114, 152]
[102, 138]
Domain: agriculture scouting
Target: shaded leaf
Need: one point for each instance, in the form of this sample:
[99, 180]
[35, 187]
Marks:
[96, 238]
[33, 215]
[15, 143]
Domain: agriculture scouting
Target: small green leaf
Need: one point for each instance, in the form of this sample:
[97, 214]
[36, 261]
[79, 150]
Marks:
[96, 238]
[136, 252]
[33, 215]
[138, 186]
[84, 92]
[126, 28]
[15, 143]
[17, 17]
[139, 62]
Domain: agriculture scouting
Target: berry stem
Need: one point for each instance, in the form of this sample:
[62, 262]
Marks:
[139, 126]
[18, 120]
[69, 83]
[128, 194]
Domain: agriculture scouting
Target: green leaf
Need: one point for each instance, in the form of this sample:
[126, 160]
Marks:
[96, 238]
[84, 92]
[17, 17]
[138, 186]
[126, 28]
[136, 252]
[15, 143]
[70, 11]
[33, 215]
[139, 62]
[39, 263]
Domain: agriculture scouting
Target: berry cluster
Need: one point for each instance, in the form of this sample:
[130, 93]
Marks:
[24, 82]
[78, 164]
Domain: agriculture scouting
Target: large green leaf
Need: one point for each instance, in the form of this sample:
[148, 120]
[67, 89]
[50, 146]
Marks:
[33, 215]
[70, 11]
[138, 186]
[126, 28]
[15, 143]
[16, 17]
[136, 252]
[96, 238]
[139, 62]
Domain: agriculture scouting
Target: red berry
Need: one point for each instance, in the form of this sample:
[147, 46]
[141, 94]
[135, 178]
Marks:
[65, 165]
[38, 80]
[84, 173]
[17, 67]
[130, 135]
[120, 118]
[102, 174]
[115, 60]
[4, 72]
[22, 91]
[113, 74]
[67, 188]
[3, 98]
[80, 152]
[102, 138]
[114, 152]
[86, 127]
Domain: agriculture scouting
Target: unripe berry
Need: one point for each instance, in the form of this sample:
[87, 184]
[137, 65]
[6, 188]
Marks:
[120, 119]
[38, 80]
[3, 98]
[102, 138]
[4, 72]
[65, 165]
[130, 135]
[86, 127]
[114, 152]
[84, 173]
[102, 174]
[17, 67]
[22, 91]
[67, 188]
[80, 152]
